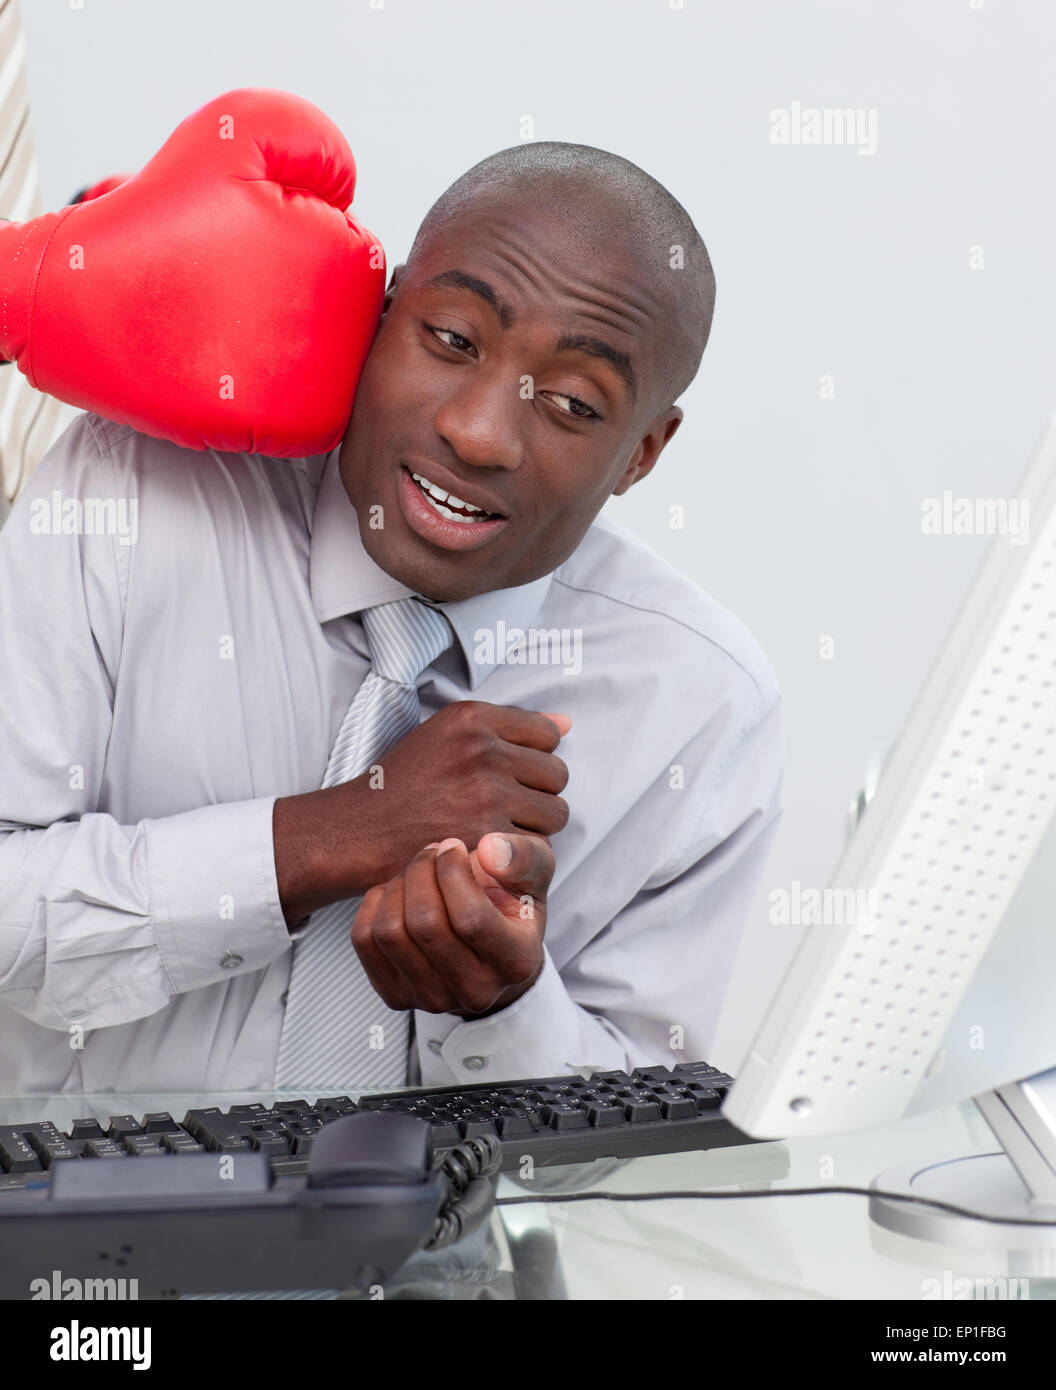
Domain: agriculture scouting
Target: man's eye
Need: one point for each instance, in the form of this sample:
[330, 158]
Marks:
[576, 407]
[461, 343]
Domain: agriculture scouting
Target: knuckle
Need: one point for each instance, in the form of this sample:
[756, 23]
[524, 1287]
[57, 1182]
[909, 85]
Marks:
[371, 898]
[360, 930]
[426, 924]
[479, 999]
[485, 745]
[474, 923]
[387, 932]
[435, 1002]
[464, 713]
[488, 796]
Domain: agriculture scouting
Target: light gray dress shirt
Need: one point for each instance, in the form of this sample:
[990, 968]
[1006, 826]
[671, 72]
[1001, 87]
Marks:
[179, 642]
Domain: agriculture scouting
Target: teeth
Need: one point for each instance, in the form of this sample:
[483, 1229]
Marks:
[437, 492]
[455, 516]
[436, 496]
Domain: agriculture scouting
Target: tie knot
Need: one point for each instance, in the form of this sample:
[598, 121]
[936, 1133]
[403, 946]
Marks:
[404, 637]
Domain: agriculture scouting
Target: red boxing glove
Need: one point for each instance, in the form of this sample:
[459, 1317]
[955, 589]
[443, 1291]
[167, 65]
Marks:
[220, 298]
[98, 189]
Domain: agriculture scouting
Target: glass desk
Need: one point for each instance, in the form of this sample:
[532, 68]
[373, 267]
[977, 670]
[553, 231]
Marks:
[822, 1247]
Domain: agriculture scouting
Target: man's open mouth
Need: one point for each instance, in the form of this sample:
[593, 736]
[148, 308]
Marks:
[451, 507]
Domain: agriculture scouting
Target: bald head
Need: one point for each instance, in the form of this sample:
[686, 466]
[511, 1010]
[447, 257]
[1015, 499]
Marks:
[605, 199]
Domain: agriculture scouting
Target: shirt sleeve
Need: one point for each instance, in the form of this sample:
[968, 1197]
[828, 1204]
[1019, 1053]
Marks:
[647, 990]
[101, 923]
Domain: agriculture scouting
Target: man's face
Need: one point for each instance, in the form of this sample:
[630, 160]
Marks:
[516, 369]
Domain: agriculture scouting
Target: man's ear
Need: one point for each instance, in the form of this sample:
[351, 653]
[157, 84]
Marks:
[649, 450]
[394, 279]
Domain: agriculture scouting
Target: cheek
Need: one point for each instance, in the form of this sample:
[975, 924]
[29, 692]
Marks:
[400, 372]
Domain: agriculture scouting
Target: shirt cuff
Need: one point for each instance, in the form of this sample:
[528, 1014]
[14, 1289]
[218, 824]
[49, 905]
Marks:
[214, 892]
[543, 1033]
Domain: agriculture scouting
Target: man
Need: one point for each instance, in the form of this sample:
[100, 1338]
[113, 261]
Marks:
[173, 703]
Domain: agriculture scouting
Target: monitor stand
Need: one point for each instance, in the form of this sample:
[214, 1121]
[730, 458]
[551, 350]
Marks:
[1015, 1186]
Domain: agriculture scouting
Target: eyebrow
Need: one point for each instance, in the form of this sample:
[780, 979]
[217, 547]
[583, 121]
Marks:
[461, 280]
[568, 342]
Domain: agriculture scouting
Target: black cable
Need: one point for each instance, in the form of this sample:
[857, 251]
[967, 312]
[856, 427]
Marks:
[469, 1168]
[678, 1196]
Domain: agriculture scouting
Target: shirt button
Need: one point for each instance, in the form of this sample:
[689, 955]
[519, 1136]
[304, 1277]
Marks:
[434, 1046]
[229, 960]
[474, 1063]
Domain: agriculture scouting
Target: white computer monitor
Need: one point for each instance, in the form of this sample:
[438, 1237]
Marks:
[940, 984]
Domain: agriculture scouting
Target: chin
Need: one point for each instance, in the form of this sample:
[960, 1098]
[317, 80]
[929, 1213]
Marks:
[404, 567]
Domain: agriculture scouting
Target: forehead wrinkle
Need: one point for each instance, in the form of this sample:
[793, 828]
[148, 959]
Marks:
[624, 293]
[638, 310]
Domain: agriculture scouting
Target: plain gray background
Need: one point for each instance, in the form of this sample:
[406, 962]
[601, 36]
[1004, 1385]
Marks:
[802, 515]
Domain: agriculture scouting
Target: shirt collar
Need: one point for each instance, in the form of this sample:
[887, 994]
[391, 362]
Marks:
[344, 579]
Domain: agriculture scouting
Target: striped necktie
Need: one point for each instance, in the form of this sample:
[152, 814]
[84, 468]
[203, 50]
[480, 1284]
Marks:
[337, 1033]
[29, 420]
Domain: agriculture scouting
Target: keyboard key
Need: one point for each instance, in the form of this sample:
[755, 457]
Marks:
[476, 1125]
[88, 1128]
[678, 1108]
[269, 1142]
[53, 1152]
[509, 1126]
[640, 1112]
[564, 1117]
[650, 1074]
[103, 1148]
[601, 1115]
[181, 1144]
[141, 1143]
[293, 1107]
[198, 1122]
[140, 1150]
[336, 1105]
[270, 1119]
[445, 1134]
[16, 1154]
[38, 1136]
[229, 1144]
[121, 1126]
[708, 1100]
[159, 1122]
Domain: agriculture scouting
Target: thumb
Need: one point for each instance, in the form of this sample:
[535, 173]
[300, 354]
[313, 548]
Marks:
[561, 720]
[521, 863]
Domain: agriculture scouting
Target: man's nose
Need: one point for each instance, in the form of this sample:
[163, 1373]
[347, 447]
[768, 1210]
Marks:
[481, 421]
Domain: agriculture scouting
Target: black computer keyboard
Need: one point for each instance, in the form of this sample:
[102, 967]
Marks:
[552, 1120]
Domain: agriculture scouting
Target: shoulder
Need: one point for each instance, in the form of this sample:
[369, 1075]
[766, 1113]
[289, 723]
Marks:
[174, 486]
[653, 603]
[135, 454]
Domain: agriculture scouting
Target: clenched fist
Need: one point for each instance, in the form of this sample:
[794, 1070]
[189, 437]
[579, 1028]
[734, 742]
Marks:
[458, 932]
[471, 768]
